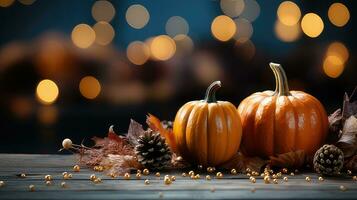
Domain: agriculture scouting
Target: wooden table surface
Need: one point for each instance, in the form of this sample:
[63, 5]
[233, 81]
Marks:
[79, 187]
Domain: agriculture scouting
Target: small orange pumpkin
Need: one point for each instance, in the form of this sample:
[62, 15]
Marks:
[208, 132]
[280, 121]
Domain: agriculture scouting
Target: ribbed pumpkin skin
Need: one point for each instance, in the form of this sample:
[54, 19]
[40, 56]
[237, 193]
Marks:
[275, 124]
[207, 133]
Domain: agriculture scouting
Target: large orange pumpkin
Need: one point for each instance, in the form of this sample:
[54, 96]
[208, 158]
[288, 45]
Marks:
[208, 132]
[281, 121]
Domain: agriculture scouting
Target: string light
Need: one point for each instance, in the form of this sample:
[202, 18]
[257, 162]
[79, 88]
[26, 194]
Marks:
[6, 3]
[289, 13]
[47, 91]
[244, 30]
[89, 87]
[232, 8]
[104, 33]
[138, 52]
[83, 36]
[137, 16]
[223, 28]
[287, 33]
[312, 25]
[162, 47]
[176, 25]
[103, 11]
[333, 66]
[338, 14]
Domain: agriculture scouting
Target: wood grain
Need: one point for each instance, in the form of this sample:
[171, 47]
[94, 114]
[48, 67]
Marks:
[79, 187]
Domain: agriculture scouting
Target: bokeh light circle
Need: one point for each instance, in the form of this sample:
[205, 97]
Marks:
[244, 30]
[251, 10]
[333, 66]
[184, 43]
[89, 87]
[338, 14]
[27, 2]
[162, 47]
[338, 49]
[176, 25]
[6, 3]
[312, 25]
[137, 16]
[138, 53]
[104, 33]
[232, 8]
[47, 91]
[103, 11]
[83, 36]
[287, 33]
[223, 28]
[289, 13]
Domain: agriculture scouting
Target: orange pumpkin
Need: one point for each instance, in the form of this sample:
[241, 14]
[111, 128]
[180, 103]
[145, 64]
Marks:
[281, 121]
[208, 132]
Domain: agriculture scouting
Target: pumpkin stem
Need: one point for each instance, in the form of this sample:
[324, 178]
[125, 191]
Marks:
[276, 77]
[211, 91]
[283, 87]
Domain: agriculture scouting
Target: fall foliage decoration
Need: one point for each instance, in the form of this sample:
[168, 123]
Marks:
[294, 159]
[281, 121]
[208, 132]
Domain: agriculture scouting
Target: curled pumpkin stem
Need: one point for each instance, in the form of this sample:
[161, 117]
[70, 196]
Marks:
[211, 91]
[283, 87]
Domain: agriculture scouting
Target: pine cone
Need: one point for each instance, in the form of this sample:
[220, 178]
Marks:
[328, 160]
[152, 150]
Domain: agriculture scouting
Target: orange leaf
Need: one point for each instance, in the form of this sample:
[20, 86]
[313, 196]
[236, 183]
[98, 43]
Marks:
[155, 124]
[293, 159]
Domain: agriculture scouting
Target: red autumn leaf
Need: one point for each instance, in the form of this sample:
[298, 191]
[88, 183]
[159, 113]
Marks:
[293, 159]
[155, 124]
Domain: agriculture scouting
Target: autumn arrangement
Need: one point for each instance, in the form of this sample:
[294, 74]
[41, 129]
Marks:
[280, 129]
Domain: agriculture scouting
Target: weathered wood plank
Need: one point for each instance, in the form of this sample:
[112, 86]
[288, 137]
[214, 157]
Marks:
[79, 187]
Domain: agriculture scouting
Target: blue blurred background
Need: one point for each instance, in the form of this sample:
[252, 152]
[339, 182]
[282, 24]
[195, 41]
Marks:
[73, 68]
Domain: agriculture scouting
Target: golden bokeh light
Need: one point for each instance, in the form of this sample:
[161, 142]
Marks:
[338, 14]
[47, 115]
[138, 53]
[287, 33]
[244, 30]
[223, 28]
[289, 13]
[339, 50]
[333, 66]
[312, 25]
[137, 16]
[83, 36]
[104, 33]
[89, 87]
[184, 43]
[162, 47]
[103, 11]
[47, 91]
[6, 3]
[27, 2]
[251, 10]
[232, 8]
[176, 25]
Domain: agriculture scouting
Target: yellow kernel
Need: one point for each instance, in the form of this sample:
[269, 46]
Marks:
[31, 188]
[146, 172]
[76, 168]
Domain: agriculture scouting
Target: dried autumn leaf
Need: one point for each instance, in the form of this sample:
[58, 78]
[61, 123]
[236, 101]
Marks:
[155, 124]
[335, 126]
[134, 131]
[294, 159]
[348, 140]
[120, 164]
[351, 163]
[241, 163]
[350, 105]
